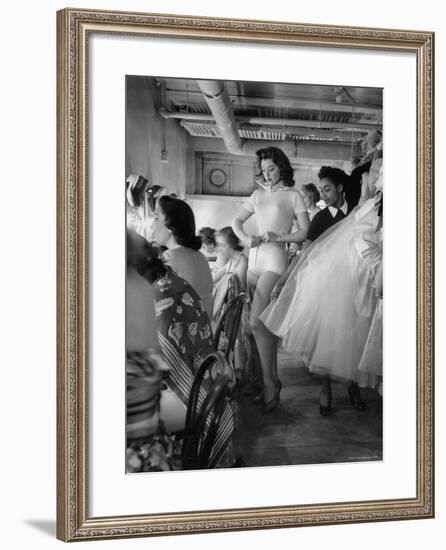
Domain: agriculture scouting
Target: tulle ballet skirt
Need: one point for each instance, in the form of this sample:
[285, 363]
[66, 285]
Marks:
[325, 310]
[372, 358]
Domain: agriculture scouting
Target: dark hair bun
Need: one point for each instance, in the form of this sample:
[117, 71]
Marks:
[180, 219]
[194, 242]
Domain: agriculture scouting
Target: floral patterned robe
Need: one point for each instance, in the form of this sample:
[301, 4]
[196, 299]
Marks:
[185, 337]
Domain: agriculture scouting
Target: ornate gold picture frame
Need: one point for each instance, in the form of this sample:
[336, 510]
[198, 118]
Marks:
[75, 28]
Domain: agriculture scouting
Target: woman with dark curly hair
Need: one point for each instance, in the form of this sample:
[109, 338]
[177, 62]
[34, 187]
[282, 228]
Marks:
[174, 227]
[276, 205]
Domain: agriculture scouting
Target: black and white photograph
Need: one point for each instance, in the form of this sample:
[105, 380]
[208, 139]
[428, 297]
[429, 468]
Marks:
[196, 340]
[254, 289]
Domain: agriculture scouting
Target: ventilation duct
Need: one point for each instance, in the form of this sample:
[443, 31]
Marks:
[221, 108]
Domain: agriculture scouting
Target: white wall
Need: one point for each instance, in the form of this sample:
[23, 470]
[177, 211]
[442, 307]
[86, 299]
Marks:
[28, 98]
[147, 133]
[216, 213]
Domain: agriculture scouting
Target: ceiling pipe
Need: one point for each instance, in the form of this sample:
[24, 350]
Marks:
[220, 105]
[282, 122]
[181, 97]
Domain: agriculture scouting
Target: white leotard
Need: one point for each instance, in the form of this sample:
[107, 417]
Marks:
[275, 211]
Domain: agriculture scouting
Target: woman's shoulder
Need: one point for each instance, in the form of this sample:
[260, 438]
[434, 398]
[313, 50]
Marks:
[255, 195]
[292, 191]
[192, 264]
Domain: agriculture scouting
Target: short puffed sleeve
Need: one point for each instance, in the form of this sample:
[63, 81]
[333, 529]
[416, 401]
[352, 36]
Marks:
[298, 203]
[251, 202]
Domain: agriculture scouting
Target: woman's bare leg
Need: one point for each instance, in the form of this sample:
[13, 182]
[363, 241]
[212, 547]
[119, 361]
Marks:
[265, 340]
[252, 281]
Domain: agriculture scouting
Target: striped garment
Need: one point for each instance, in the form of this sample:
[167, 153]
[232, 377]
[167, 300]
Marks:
[143, 380]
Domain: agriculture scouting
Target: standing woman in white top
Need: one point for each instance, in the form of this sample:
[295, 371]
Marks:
[174, 227]
[276, 206]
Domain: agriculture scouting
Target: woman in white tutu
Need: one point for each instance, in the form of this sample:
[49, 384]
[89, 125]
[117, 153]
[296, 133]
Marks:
[325, 309]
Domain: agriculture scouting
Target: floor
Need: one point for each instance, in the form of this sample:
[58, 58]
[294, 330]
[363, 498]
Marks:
[296, 433]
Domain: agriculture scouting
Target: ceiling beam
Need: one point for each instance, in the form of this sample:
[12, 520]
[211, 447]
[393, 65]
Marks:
[302, 104]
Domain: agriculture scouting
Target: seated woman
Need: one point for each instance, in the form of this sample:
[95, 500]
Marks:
[311, 197]
[208, 243]
[174, 227]
[144, 364]
[185, 338]
[236, 263]
[209, 248]
[231, 250]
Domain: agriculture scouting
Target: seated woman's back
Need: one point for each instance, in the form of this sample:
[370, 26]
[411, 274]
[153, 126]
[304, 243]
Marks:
[143, 376]
[140, 319]
[192, 266]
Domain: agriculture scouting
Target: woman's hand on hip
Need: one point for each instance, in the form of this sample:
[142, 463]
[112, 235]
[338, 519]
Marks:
[253, 242]
[270, 237]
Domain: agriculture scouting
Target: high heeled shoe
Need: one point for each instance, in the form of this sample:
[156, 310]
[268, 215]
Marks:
[356, 398]
[258, 399]
[273, 403]
[278, 390]
[325, 410]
